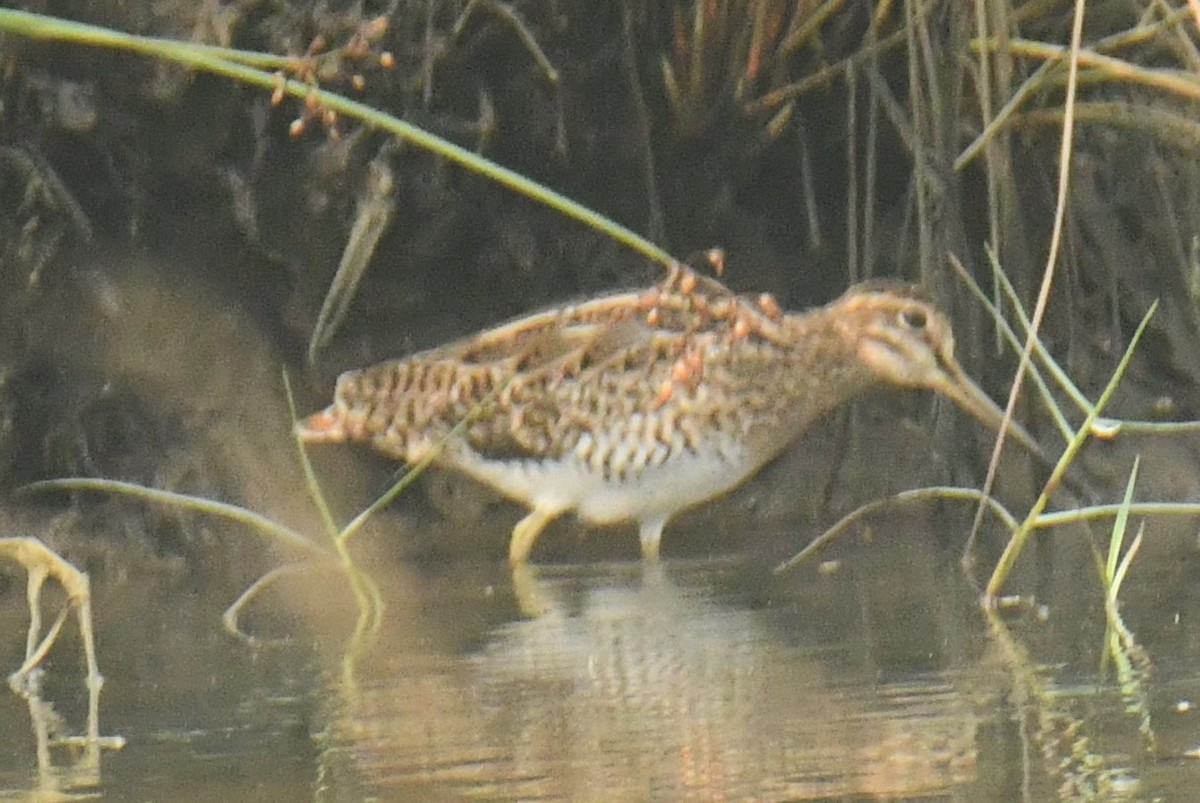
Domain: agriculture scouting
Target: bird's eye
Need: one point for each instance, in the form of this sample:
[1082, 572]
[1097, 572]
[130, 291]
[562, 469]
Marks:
[914, 318]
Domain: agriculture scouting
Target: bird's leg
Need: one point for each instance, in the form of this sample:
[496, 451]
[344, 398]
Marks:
[533, 598]
[526, 533]
[650, 534]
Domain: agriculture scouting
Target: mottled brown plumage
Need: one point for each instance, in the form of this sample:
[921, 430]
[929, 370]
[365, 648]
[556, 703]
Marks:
[635, 406]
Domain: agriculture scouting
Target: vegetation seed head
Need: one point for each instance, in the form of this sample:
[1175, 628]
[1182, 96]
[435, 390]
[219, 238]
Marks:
[770, 307]
[716, 258]
[376, 28]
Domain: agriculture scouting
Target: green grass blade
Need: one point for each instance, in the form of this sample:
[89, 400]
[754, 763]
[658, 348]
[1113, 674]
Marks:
[1017, 542]
[197, 504]
[936, 492]
[1117, 538]
[310, 476]
[1127, 561]
[1093, 512]
[1010, 336]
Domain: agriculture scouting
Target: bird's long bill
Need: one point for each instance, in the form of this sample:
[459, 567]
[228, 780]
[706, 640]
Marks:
[956, 385]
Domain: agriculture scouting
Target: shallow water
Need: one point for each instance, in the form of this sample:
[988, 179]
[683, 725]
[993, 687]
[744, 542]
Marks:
[640, 683]
[694, 680]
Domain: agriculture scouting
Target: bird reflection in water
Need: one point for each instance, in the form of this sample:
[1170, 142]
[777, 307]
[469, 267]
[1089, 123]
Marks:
[644, 682]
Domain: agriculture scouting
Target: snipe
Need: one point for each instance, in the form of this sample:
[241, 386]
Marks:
[635, 406]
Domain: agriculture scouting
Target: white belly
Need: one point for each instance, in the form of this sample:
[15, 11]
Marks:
[655, 491]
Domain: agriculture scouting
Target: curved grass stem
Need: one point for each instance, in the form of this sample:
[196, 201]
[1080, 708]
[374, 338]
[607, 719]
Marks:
[198, 504]
[940, 492]
[254, 69]
[1017, 542]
